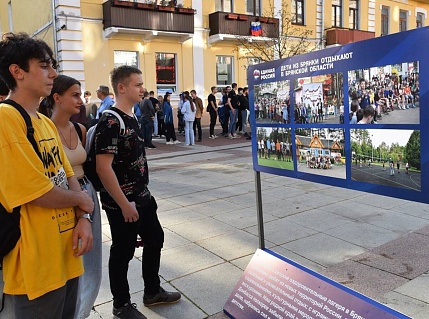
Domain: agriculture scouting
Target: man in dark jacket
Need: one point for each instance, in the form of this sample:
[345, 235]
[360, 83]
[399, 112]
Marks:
[147, 116]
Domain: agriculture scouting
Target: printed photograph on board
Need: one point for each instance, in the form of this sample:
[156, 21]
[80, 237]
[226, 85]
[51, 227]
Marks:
[319, 99]
[321, 151]
[272, 102]
[274, 147]
[386, 157]
[387, 94]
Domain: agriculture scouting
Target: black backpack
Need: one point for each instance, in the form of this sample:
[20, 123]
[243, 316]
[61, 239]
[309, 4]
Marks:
[90, 165]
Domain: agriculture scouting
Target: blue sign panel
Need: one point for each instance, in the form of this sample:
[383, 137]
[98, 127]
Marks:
[351, 116]
[274, 287]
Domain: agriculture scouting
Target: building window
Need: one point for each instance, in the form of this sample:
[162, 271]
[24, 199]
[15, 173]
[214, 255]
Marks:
[353, 14]
[253, 7]
[384, 20]
[165, 66]
[224, 5]
[419, 20]
[297, 11]
[125, 58]
[403, 20]
[224, 70]
[336, 13]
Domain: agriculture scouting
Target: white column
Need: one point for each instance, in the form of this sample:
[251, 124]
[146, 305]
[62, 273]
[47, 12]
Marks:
[69, 38]
[371, 16]
[198, 48]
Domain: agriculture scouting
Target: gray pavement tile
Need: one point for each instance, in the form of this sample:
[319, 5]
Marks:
[172, 240]
[184, 309]
[201, 229]
[323, 249]
[380, 201]
[231, 245]
[404, 304]
[340, 193]
[242, 218]
[242, 262]
[184, 260]
[395, 221]
[105, 253]
[219, 315]
[214, 286]
[403, 256]
[413, 208]
[315, 200]
[318, 219]
[192, 198]
[165, 205]
[298, 259]
[245, 200]
[362, 234]
[422, 314]
[178, 216]
[281, 211]
[369, 281]
[416, 288]
[216, 207]
[353, 209]
[105, 233]
[281, 231]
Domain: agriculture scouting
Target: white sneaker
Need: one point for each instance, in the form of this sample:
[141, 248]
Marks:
[211, 137]
[176, 142]
[230, 136]
[215, 136]
[169, 143]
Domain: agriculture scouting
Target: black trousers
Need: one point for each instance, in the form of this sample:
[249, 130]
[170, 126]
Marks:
[213, 117]
[124, 236]
[169, 132]
[197, 126]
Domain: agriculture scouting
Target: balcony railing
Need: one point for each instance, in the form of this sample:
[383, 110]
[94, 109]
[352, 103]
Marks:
[123, 14]
[345, 36]
[240, 25]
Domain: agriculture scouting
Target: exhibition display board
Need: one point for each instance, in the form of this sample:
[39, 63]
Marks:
[350, 116]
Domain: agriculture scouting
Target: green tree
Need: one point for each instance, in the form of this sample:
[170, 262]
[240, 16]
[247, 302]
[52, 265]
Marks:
[292, 40]
[412, 150]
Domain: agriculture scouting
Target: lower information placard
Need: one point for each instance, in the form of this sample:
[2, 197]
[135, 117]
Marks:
[274, 287]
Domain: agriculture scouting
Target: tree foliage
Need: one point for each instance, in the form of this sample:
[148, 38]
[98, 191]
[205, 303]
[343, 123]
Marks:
[412, 150]
[293, 39]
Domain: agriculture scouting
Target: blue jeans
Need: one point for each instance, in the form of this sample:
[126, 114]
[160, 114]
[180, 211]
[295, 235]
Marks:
[90, 281]
[189, 133]
[147, 130]
[244, 121]
[232, 121]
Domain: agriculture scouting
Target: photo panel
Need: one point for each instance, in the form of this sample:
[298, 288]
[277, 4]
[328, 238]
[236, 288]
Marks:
[272, 102]
[386, 157]
[391, 92]
[319, 99]
[275, 147]
[320, 151]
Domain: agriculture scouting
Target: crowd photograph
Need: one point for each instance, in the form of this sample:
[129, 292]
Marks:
[272, 102]
[321, 151]
[387, 94]
[386, 157]
[319, 99]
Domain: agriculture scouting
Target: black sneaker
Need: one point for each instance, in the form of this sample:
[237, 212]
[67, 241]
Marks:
[161, 297]
[151, 147]
[128, 311]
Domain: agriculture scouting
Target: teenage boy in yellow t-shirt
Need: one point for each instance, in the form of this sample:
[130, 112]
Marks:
[41, 272]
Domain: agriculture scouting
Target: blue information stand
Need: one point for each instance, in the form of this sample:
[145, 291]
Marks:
[318, 141]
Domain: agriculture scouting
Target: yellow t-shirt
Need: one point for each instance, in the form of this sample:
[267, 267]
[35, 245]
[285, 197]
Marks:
[42, 260]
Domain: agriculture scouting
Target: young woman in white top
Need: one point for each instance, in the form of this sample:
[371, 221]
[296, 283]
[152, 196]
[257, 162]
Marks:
[188, 110]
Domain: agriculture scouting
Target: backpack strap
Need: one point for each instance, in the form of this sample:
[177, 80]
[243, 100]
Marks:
[121, 121]
[27, 119]
[78, 130]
